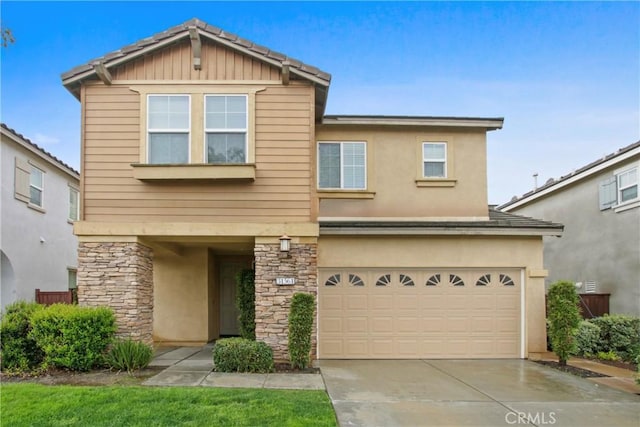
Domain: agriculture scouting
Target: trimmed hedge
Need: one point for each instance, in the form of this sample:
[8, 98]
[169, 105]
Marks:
[588, 339]
[73, 337]
[246, 303]
[300, 328]
[18, 351]
[564, 318]
[129, 355]
[620, 334]
[242, 355]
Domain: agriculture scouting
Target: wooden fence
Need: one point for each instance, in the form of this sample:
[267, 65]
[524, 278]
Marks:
[593, 305]
[53, 297]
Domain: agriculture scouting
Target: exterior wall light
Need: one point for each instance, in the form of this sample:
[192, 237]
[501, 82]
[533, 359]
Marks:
[285, 243]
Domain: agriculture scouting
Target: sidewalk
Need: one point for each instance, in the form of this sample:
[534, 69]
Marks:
[618, 378]
[193, 366]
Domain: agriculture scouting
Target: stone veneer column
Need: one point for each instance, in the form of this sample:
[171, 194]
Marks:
[119, 275]
[273, 301]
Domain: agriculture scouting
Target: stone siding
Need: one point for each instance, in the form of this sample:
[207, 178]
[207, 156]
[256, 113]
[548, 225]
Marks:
[273, 301]
[120, 276]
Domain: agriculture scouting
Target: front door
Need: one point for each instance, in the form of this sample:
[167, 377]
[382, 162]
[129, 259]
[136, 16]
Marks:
[228, 291]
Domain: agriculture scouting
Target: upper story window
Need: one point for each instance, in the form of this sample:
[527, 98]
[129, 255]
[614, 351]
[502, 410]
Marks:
[342, 165]
[620, 189]
[434, 159]
[627, 185]
[36, 186]
[74, 204]
[226, 128]
[168, 126]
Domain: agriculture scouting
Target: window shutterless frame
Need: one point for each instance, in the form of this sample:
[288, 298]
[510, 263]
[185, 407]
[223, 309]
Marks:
[244, 130]
[433, 159]
[342, 165]
[74, 204]
[151, 130]
[626, 181]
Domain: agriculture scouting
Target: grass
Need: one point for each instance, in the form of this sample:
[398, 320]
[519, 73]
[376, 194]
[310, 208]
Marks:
[40, 405]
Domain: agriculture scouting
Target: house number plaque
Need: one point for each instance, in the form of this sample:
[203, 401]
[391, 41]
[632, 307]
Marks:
[285, 280]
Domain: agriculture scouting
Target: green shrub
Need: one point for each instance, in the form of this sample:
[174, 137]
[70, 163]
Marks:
[621, 334]
[73, 337]
[129, 355]
[19, 352]
[638, 365]
[246, 303]
[587, 339]
[608, 355]
[300, 329]
[564, 318]
[242, 355]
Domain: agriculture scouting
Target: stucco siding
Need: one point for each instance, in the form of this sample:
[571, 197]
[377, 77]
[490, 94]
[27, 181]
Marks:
[394, 168]
[601, 246]
[38, 246]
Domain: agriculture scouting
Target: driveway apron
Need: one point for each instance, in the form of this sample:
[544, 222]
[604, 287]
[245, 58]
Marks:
[470, 393]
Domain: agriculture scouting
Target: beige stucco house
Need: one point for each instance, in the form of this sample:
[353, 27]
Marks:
[201, 150]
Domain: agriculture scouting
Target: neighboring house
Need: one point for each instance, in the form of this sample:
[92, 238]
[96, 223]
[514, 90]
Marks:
[39, 203]
[599, 205]
[204, 153]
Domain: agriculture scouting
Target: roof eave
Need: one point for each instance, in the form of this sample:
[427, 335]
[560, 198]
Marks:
[469, 122]
[438, 231]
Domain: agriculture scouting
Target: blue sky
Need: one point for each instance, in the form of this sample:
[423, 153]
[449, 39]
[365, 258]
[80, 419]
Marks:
[564, 75]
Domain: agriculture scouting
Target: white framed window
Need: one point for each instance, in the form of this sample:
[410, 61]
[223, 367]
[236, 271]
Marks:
[36, 186]
[627, 185]
[225, 127]
[434, 159]
[342, 165]
[72, 278]
[74, 204]
[168, 128]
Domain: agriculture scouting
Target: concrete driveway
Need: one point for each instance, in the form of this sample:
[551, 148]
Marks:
[470, 393]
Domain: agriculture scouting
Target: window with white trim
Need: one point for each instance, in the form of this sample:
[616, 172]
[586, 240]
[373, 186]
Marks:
[36, 186]
[74, 204]
[168, 128]
[226, 123]
[620, 189]
[342, 165]
[434, 159]
[627, 185]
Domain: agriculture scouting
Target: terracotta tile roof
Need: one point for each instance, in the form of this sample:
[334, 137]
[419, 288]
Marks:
[497, 221]
[214, 32]
[557, 182]
[41, 150]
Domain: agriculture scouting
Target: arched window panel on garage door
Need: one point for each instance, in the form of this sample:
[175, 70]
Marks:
[434, 280]
[355, 280]
[484, 280]
[384, 280]
[333, 280]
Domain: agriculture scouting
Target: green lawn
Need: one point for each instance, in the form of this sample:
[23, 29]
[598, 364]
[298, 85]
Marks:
[40, 405]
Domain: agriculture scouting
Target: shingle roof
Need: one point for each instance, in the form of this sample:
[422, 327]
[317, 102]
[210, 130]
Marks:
[558, 182]
[41, 150]
[498, 221]
[212, 32]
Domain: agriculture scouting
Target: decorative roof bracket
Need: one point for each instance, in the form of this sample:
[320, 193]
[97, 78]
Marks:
[196, 47]
[285, 72]
[103, 74]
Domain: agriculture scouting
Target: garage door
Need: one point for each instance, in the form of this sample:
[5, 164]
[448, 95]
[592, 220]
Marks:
[419, 313]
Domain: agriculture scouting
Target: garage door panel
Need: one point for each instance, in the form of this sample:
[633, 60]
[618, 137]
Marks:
[415, 313]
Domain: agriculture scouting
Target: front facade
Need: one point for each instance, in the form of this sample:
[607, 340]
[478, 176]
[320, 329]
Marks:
[202, 150]
[39, 204]
[599, 205]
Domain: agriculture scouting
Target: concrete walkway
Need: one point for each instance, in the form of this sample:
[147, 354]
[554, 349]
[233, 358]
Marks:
[193, 366]
[470, 393]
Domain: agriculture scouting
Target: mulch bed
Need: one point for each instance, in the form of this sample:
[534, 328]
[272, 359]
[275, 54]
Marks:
[95, 377]
[287, 368]
[584, 373]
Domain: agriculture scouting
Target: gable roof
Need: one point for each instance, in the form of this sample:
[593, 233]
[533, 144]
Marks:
[499, 223]
[584, 172]
[73, 78]
[39, 151]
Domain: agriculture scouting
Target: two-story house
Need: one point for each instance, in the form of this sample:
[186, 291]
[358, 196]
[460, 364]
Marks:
[38, 205]
[599, 204]
[204, 153]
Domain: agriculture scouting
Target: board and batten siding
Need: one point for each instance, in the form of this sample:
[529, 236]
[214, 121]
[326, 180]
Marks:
[175, 63]
[280, 193]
